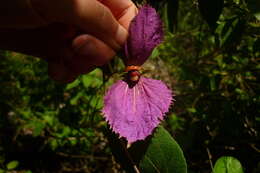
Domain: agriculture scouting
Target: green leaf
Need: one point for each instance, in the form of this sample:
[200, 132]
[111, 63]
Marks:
[38, 128]
[74, 100]
[227, 164]
[54, 144]
[93, 79]
[73, 84]
[163, 154]
[12, 165]
[65, 132]
[87, 80]
[157, 153]
[155, 53]
[96, 102]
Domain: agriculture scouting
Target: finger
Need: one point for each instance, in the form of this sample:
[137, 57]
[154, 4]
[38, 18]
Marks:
[45, 42]
[97, 19]
[123, 10]
[89, 53]
[90, 15]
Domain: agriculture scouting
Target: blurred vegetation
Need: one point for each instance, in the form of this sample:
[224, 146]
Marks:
[210, 58]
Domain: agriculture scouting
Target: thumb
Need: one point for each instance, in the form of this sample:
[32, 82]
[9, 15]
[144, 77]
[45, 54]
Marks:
[91, 16]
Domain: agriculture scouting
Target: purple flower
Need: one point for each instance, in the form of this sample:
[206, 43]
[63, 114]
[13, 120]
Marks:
[135, 112]
[145, 33]
[135, 105]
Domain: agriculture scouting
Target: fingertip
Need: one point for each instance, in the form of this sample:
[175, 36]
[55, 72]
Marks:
[97, 19]
[91, 51]
[127, 16]
[123, 10]
[121, 36]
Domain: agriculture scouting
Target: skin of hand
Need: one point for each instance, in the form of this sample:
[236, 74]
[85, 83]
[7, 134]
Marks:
[75, 36]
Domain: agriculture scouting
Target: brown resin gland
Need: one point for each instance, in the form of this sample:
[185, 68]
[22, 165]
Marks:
[134, 75]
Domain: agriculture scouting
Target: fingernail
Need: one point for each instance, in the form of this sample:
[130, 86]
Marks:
[121, 35]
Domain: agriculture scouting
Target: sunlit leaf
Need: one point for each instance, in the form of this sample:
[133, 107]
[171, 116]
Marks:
[93, 79]
[12, 165]
[228, 164]
[73, 84]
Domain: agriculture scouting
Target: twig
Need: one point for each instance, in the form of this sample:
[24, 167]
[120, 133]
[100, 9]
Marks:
[210, 157]
[254, 147]
[129, 157]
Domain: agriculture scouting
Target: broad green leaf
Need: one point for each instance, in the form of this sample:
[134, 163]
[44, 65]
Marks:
[227, 164]
[12, 165]
[163, 154]
[157, 153]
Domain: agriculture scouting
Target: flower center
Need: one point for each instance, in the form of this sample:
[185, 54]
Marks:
[133, 73]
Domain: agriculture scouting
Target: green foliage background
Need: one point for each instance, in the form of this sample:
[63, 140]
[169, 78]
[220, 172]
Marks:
[212, 66]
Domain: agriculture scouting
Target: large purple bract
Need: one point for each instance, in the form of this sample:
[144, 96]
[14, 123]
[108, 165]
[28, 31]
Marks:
[145, 33]
[135, 112]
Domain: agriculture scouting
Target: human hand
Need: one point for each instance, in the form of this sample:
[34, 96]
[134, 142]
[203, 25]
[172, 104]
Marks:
[77, 36]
